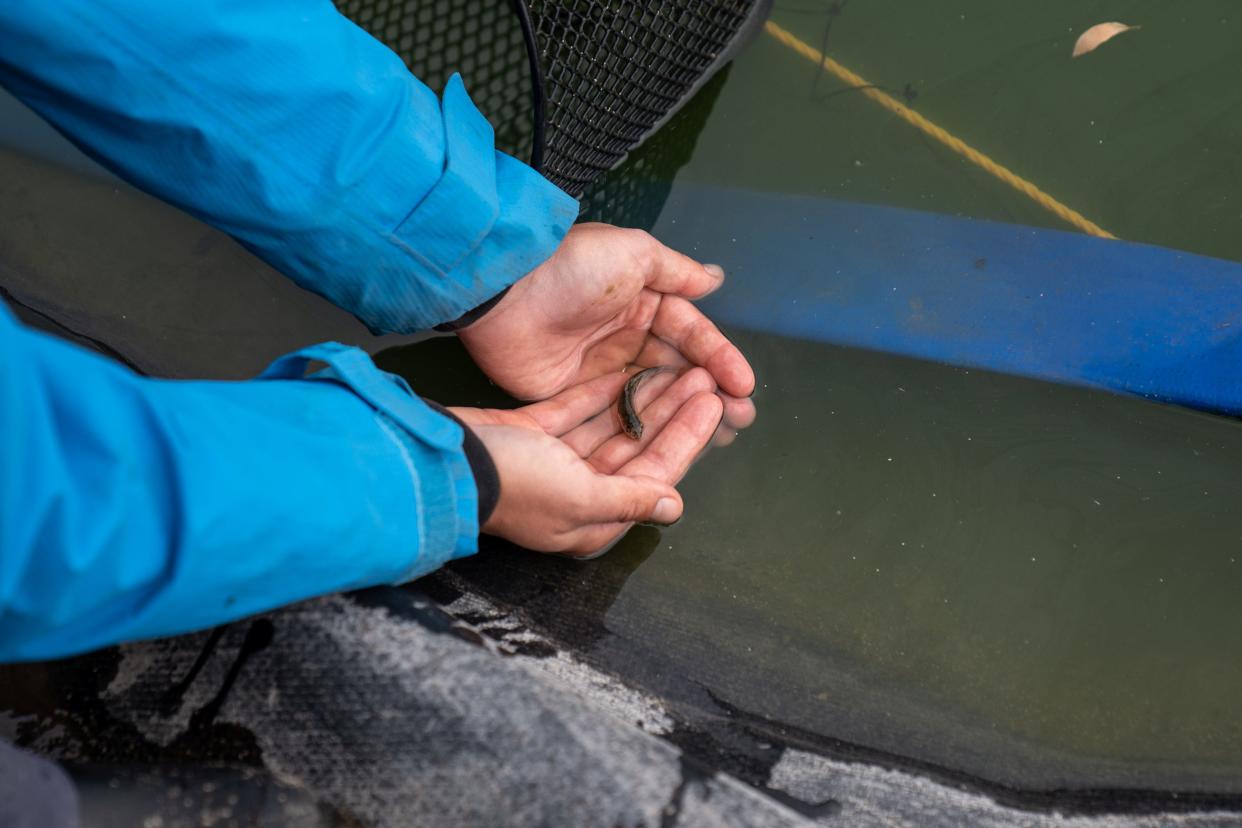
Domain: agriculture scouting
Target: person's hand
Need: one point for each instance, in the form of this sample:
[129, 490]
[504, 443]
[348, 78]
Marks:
[607, 298]
[571, 482]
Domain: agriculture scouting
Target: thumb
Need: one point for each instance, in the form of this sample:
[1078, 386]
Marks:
[677, 273]
[632, 499]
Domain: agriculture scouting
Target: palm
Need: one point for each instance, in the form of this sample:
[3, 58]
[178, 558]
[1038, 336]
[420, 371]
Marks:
[564, 462]
[607, 298]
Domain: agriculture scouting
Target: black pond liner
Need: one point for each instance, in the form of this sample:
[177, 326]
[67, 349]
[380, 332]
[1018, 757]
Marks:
[566, 605]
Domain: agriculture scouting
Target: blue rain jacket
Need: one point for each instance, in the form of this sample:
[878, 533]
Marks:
[133, 507]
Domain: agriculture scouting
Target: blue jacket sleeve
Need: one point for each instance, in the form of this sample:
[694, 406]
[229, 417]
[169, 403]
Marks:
[288, 127]
[133, 507]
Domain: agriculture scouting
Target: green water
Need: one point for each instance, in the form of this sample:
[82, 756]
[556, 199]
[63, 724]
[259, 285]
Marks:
[1141, 136]
[1035, 584]
[1031, 582]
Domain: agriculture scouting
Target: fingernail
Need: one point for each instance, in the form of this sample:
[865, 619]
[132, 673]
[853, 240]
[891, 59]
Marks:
[665, 511]
[715, 270]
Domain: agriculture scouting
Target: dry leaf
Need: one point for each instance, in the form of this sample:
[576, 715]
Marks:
[1098, 34]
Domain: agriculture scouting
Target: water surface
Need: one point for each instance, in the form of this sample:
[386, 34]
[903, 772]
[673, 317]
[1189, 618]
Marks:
[1032, 584]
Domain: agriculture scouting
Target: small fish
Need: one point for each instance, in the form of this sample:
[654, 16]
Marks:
[1098, 35]
[630, 423]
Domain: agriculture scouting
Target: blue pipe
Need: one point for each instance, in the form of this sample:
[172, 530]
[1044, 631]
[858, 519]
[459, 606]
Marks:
[1051, 305]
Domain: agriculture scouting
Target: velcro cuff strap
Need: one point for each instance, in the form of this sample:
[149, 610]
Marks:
[383, 391]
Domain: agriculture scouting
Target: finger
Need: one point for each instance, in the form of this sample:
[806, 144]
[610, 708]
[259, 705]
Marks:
[579, 404]
[668, 271]
[593, 542]
[629, 499]
[684, 326]
[620, 502]
[670, 454]
[739, 412]
[619, 449]
[587, 437]
[654, 402]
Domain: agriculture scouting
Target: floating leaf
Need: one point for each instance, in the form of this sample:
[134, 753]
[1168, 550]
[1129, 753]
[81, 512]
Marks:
[1098, 34]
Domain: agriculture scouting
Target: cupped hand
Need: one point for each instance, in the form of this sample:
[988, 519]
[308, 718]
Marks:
[607, 298]
[571, 482]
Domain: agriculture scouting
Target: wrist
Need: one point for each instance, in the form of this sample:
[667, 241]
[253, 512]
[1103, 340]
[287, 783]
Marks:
[486, 477]
[471, 316]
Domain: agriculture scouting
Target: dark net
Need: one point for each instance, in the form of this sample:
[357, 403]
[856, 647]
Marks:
[633, 195]
[612, 71]
[615, 70]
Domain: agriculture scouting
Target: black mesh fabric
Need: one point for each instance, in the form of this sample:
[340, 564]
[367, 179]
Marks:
[615, 69]
[634, 194]
[612, 71]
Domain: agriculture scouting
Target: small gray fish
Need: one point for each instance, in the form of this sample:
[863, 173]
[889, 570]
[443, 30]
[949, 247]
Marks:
[630, 422]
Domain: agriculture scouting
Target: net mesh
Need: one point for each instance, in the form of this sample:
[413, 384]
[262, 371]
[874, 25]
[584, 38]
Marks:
[612, 70]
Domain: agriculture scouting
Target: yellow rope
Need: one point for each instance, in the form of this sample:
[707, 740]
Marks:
[927, 127]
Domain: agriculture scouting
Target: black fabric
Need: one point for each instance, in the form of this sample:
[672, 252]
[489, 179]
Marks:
[486, 478]
[471, 316]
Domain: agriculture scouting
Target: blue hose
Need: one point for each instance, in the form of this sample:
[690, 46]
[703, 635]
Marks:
[1051, 305]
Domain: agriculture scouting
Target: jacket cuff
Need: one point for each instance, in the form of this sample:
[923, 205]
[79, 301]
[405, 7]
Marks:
[485, 224]
[442, 480]
[486, 478]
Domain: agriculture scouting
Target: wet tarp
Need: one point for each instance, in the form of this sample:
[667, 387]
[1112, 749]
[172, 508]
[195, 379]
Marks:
[492, 693]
